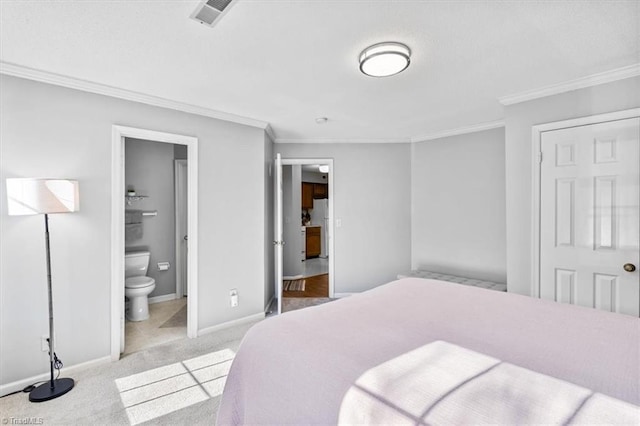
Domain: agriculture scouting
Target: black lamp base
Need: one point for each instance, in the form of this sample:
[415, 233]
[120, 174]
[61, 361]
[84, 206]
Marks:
[44, 392]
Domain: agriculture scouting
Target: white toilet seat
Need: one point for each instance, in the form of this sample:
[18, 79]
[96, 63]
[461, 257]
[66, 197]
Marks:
[139, 282]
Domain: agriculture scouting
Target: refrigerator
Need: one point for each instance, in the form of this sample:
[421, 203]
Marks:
[320, 216]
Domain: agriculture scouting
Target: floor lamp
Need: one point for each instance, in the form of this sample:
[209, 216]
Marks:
[44, 196]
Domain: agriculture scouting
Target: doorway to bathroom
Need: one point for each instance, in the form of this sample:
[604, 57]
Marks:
[155, 303]
[154, 201]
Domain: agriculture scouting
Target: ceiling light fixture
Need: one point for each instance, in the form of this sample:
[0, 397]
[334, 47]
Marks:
[321, 120]
[323, 168]
[385, 59]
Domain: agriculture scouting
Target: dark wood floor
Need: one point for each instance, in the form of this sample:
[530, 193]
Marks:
[317, 286]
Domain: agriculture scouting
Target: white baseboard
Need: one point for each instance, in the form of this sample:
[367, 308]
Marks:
[228, 324]
[163, 298]
[65, 372]
[341, 295]
[293, 277]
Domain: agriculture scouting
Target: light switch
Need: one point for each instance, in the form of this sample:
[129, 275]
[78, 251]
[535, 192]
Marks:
[338, 223]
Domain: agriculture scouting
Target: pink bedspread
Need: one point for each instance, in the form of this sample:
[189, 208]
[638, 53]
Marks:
[422, 351]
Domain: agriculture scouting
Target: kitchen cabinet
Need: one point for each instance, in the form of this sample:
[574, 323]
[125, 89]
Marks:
[313, 191]
[307, 195]
[313, 243]
[320, 191]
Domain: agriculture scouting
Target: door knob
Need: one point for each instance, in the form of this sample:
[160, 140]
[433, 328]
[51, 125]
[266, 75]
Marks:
[629, 267]
[185, 238]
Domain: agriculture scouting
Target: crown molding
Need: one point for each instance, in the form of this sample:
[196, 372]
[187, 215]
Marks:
[567, 86]
[20, 71]
[342, 140]
[269, 131]
[459, 131]
[15, 70]
[437, 135]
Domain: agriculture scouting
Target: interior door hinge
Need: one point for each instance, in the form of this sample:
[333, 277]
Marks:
[540, 157]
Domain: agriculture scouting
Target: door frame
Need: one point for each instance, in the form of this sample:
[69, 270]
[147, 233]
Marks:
[330, 245]
[179, 165]
[119, 133]
[536, 137]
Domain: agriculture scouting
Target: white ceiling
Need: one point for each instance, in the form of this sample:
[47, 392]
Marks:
[287, 62]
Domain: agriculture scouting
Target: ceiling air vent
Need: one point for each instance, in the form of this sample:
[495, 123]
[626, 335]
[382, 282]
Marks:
[209, 11]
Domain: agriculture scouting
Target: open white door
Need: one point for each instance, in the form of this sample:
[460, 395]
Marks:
[277, 229]
[181, 236]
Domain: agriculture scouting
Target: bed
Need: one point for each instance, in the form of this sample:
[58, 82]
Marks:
[419, 351]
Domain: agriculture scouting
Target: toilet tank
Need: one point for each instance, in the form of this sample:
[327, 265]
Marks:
[136, 263]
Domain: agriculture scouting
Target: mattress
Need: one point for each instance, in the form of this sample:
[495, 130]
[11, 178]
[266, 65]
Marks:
[420, 351]
[419, 273]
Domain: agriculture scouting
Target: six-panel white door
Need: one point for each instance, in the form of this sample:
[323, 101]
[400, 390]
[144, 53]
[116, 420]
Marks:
[589, 218]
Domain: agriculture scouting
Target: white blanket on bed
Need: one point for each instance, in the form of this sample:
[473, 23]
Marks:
[441, 383]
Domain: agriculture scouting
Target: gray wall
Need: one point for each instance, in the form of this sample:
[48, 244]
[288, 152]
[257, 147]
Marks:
[58, 132]
[291, 226]
[519, 118]
[458, 205]
[149, 170]
[372, 198]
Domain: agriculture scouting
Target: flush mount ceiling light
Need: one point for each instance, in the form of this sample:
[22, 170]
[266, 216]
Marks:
[385, 59]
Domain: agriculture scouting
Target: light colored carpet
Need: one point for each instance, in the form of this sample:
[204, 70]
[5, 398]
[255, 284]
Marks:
[178, 320]
[176, 383]
[293, 303]
[293, 285]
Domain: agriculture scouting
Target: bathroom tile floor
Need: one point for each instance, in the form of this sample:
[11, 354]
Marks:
[144, 334]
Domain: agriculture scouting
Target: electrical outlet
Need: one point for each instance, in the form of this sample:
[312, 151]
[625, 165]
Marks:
[233, 295]
[44, 343]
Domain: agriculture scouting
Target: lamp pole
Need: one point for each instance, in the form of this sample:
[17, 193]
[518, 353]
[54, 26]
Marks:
[46, 239]
[55, 387]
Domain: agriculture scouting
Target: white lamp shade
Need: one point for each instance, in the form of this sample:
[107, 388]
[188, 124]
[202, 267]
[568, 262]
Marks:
[27, 196]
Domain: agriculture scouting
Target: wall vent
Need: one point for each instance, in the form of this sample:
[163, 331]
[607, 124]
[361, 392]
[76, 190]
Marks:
[210, 11]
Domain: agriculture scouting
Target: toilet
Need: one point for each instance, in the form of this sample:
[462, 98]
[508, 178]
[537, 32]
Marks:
[137, 285]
